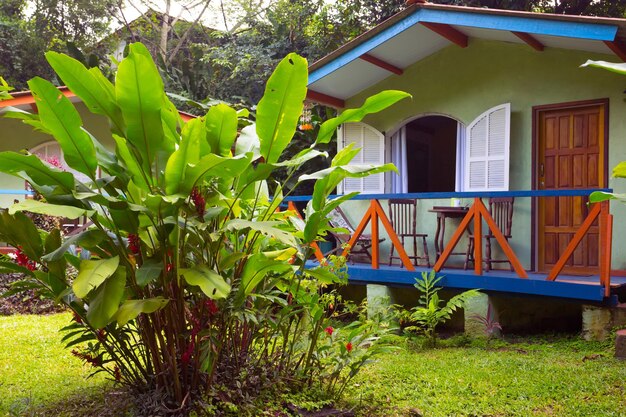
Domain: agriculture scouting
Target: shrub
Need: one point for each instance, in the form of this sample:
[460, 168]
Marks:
[190, 280]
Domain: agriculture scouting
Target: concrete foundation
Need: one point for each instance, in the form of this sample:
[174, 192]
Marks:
[599, 321]
[379, 300]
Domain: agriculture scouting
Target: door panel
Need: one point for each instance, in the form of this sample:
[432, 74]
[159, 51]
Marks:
[571, 155]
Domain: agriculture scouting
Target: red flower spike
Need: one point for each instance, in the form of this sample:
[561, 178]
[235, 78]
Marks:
[77, 318]
[211, 307]
[349, 347]
[169, 267]
[186, 356]
[22, 259]
[198, 201]
[329, 330]
[117, 373]
[133, 243]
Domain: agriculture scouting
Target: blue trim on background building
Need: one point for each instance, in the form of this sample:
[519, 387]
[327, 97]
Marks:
[17, 192]
[536, 26]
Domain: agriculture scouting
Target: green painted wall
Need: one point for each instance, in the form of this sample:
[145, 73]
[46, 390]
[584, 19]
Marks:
[464, 82]
[15, 136]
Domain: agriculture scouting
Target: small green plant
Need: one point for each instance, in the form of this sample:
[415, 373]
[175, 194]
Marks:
[491, 327]
[430, 311]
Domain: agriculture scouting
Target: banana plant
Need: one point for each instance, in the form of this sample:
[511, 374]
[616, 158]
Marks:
[188, 268]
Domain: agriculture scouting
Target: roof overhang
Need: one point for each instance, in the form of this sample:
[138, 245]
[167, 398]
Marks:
[423, 29]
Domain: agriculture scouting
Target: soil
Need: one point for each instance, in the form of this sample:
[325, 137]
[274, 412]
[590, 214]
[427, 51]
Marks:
[24, 303]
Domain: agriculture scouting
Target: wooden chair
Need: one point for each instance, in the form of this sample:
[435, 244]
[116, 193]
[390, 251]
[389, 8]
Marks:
[501, 210]
[338, 220]
[403, 217]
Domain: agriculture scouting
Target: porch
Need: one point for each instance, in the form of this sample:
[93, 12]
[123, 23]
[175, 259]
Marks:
[598, 282]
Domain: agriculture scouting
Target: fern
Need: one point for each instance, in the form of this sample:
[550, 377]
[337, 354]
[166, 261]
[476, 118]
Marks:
[429, 312]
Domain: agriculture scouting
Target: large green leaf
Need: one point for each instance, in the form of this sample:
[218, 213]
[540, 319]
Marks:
[132, 308]
[132, 165]
[373, 104]
[106, 299]
[87, 239]
[31, 168]
[60, 117]
[210, 282]
[619, 68]
[281, 106]
[53, 242]
[188, 152]
[267, 228]
[257, 268]
[89, 86]
[221, 128]
[92, 274]
[149, 271]
[216, 166]
[39, 207]
[19, 230]
[139, 93]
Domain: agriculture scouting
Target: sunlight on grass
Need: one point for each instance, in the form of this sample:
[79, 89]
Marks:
[564, 377]
[35, 369]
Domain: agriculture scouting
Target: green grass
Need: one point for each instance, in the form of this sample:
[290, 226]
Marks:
[35, 369]
[539, 377]
[555, 376]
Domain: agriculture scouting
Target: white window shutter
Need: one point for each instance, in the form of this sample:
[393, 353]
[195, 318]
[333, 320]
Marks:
[486, 165]
[372, 144]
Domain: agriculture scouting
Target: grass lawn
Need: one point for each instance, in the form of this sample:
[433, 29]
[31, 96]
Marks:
[556, 376]
[531, 377]
[35, 369]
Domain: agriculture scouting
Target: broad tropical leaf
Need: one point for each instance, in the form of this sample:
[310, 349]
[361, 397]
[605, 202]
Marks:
[132, 308]
[59, 116]
[92, 274]
[188, 152]
[56, 210]
[281, 106]
[221, 128]
[106, 299]
[149, 271]
[373, 104]
[19, 230]
[210, 282]
[97, 94]
[32, 169]
[139, 93]
[619, 68]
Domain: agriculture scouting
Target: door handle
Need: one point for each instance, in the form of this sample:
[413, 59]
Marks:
[541, 170]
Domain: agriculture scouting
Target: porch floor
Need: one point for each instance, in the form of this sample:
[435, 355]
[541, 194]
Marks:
[573, 287]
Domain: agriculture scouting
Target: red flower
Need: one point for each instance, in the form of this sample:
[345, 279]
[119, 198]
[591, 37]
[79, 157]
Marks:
[169, 267]
[22, 259]
[117, 373]
[77, 318]
[349, 347]
[198, 201]
[133, 243]
[329, 330]
[186, 356]
[211, 307]
[306, 126]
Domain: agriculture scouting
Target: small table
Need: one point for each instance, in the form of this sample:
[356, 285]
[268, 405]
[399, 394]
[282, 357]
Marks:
[443, 213]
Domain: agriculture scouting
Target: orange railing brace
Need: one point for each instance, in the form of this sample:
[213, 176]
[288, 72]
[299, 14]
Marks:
[578, 236]
[478, 212]
[373, 214]
[317, 251]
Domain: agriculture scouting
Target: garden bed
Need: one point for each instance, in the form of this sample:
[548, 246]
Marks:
[23, 303]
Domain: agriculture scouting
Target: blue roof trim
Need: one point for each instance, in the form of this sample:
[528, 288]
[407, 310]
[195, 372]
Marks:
[579, 30]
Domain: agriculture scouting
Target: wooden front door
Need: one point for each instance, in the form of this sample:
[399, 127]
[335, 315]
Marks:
[571, 154]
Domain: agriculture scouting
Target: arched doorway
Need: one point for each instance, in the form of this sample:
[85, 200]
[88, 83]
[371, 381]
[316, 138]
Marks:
[427, 150]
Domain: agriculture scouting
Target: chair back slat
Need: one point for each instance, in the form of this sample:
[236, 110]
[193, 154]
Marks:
[403, 215]
[501, 210]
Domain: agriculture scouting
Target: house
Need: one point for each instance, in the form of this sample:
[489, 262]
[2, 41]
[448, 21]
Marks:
[500, 107]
